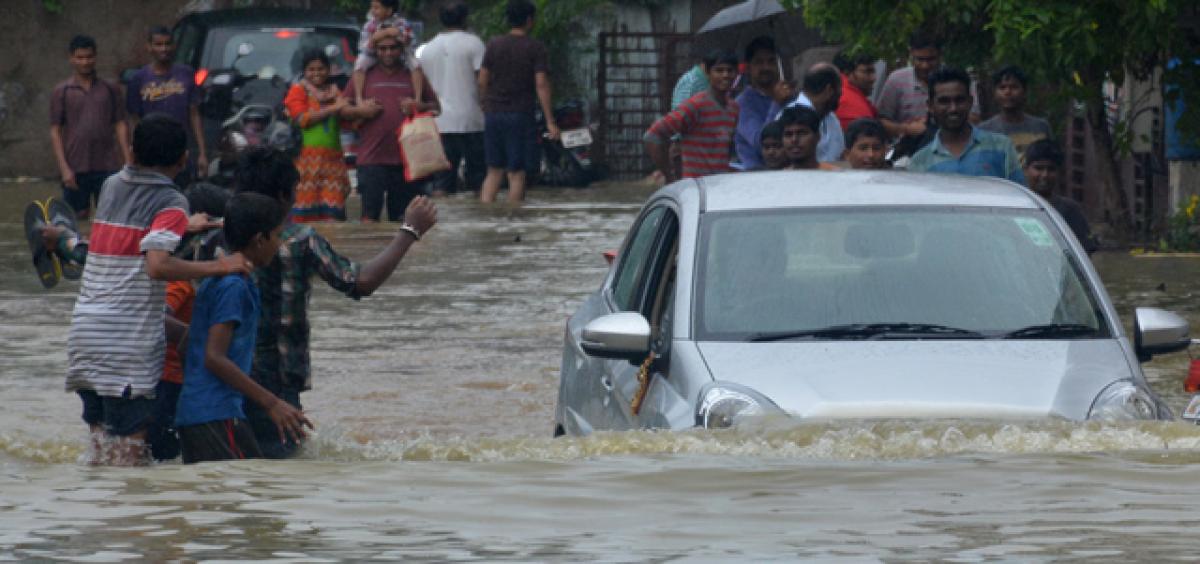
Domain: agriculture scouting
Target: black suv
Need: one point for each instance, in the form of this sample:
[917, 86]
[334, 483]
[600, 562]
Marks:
[214, 42]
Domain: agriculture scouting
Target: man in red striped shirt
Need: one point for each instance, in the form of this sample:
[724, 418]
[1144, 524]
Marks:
[706, 122]
[116, 346]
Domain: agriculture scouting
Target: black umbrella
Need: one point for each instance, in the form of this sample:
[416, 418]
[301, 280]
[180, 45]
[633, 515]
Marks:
[735, 26]
[743, 13]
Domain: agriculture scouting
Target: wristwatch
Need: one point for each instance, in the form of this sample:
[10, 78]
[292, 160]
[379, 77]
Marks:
[408, 228]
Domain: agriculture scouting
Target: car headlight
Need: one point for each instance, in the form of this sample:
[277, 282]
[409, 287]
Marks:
[722, 405]
[1123, 401]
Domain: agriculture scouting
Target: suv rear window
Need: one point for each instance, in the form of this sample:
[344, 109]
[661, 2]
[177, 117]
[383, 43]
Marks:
[278, 49]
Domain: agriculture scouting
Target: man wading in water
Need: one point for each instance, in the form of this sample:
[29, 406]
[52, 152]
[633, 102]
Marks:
[281, 358]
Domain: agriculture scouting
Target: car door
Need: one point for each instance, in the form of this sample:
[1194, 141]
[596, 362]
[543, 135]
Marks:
[639, 286]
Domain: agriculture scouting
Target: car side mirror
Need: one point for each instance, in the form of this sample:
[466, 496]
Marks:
[624, 335]
[1157, 331]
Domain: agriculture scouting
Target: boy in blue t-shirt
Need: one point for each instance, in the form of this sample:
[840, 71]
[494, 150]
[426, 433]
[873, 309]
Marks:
[209, 417]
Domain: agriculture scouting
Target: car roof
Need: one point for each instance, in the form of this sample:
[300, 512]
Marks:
[785, 189]
[254, 17]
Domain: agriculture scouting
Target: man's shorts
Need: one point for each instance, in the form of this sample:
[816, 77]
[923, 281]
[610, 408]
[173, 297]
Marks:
[510, 141]
[88, 191]
[228, 439]
[119, 416]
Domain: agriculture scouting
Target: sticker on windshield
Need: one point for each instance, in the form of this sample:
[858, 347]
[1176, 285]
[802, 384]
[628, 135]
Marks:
[1035, 231]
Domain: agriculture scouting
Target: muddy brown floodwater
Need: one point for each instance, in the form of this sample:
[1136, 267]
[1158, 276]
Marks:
[434, 398]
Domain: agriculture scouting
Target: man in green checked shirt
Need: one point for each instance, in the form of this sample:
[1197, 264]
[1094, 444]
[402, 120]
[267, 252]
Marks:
[281, 355]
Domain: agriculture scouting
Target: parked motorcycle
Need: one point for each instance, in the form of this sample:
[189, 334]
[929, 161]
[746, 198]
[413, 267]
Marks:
[567, 161]
[249, 109]
[254, 125]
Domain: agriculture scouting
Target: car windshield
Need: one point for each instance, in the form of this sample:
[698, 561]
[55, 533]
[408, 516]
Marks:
[278, 51]
[899, 272]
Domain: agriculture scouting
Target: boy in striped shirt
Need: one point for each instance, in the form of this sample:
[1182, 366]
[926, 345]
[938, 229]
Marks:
[116, 346]
[706, 122]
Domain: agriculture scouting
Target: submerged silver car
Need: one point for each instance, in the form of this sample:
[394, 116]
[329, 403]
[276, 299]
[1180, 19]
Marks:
[826, 295]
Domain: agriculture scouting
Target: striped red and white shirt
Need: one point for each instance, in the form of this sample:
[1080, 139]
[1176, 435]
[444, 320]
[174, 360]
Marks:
[706, 128]
[117, 341]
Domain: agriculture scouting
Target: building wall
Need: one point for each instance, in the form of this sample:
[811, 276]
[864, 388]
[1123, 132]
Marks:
[34, 43]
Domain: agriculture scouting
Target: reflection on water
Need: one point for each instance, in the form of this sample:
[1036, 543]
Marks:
[433, 401]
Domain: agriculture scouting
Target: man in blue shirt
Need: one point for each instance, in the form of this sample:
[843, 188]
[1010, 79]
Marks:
[210, 419]
[754, 104]
[958, 147]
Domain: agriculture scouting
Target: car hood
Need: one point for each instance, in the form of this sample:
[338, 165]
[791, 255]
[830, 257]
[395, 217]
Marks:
[871, 379]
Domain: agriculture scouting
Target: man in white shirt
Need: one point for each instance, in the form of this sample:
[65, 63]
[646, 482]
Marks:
[821, 91]
[451, 62]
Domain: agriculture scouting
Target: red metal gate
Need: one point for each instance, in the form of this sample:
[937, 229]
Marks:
[636, 73]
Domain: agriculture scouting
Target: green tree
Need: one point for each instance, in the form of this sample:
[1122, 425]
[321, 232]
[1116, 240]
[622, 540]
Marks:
[1072, 46]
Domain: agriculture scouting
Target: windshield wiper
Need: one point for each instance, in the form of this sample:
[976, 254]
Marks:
[1053, 331]
[871, 331]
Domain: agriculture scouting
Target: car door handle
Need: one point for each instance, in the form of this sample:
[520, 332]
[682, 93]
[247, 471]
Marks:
[607, 383]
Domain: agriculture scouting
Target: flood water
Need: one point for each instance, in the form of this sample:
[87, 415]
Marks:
[433, 401]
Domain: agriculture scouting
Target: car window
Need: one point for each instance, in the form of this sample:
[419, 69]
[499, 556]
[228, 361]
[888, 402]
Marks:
[278, 51]
[187, 42]
[987, 270]
[635, 260]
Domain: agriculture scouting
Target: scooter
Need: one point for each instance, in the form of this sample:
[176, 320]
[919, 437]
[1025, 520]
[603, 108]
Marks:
[568, 160]
[249, 109]
[254, 125]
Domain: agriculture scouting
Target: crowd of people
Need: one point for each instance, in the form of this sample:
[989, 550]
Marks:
[192, 337]
[926, 116]
[484, 98]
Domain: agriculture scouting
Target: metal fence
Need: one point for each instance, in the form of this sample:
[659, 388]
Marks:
[635, 75]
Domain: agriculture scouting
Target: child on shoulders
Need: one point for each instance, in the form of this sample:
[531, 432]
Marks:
[384, 19]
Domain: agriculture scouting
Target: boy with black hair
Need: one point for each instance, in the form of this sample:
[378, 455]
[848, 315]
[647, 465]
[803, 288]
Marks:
[1043, 161]
[866, 144]
[212, 424]
[771, 144]
[87, 126]
[281, 357]
[166, 87]
[822, 92]
[1010, 88]
[958, 147]
[116, 345]
[209, 200]
[706, 123]
[801, 135]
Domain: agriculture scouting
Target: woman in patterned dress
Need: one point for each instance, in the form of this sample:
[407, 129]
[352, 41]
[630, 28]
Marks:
[314, 104]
